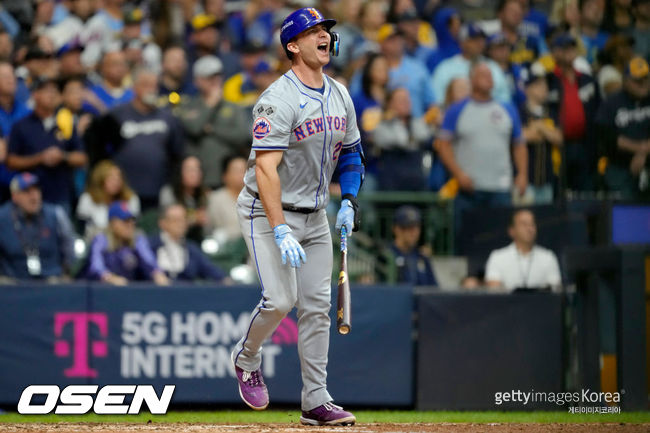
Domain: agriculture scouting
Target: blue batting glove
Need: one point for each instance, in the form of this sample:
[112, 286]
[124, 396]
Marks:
[345, 217]
[289, 246]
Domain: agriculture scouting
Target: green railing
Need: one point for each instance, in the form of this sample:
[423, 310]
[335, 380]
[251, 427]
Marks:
[437, 217]
[369, 258]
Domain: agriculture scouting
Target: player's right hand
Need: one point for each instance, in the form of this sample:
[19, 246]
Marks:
[345, 217]
[289, 246]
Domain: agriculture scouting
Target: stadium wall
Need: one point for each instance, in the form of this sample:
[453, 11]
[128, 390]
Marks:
[408, 347]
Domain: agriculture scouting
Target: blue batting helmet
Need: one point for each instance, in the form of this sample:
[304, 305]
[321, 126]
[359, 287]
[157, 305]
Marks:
[301, 20]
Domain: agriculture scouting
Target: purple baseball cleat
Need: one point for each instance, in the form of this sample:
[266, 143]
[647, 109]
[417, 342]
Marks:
[327, 414]
[252, 388]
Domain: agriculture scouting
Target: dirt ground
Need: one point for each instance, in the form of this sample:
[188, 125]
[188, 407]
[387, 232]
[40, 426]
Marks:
[291, 428]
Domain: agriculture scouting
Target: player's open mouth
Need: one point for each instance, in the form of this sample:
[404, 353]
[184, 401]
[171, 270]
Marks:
[322, 47]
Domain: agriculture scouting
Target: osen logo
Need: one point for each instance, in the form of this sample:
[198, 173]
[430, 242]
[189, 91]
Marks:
[80, 399]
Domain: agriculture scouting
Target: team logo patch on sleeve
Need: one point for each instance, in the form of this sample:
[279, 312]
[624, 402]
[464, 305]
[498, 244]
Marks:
[261, 128]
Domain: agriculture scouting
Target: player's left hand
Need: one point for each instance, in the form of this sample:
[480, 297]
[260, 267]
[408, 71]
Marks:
[345, 217]
[289, 247]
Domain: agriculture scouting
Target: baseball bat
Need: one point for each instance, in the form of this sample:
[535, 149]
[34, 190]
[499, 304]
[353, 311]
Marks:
[343, 323]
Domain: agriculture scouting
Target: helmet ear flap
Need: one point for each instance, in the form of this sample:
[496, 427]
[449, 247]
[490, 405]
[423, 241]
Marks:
[335, 43]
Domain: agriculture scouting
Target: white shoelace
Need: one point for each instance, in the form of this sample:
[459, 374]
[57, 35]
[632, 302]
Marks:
[331, 406]
[246, 375]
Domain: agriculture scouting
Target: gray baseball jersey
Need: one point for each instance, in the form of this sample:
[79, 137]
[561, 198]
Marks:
[311, 128]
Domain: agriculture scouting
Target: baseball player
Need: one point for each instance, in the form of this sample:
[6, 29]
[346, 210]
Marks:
[304, 127]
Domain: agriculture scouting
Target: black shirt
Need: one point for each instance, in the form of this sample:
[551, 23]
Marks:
[144, 145]
[622, 115]
[540, 164]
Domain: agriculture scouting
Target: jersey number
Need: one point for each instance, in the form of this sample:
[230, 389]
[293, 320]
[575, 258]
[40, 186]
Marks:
[337, 150]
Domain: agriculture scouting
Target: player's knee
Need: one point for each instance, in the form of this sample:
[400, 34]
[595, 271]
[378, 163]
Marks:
[282, 306]
[313, 314]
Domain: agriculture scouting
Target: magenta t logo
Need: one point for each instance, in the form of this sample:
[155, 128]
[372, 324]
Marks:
[80, 341]
[286, 333]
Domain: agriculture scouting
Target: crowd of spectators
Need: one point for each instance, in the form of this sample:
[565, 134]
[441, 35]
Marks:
[112, 109]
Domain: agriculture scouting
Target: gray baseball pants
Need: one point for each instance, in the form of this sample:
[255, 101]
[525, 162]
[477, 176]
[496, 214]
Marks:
[283, 287]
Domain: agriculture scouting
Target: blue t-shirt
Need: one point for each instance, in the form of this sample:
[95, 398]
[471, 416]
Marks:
[526, 50]
[535, 24]
[259, 31]
[8, 119]
[361, 103]
[414, 77]
[516, 83]
[29, 137]
[481, 133]
[594, 45]
[109, 100]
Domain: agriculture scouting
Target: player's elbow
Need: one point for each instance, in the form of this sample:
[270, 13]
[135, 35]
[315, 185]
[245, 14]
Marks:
[264, 171]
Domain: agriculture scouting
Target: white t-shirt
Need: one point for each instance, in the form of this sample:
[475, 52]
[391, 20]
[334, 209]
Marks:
[222, 214]
[96, 214]
[512, 269]
[172, 256]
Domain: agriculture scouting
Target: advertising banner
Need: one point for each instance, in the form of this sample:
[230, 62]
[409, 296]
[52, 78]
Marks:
[183, 336]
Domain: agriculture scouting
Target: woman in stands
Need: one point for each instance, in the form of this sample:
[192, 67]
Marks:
[187, 189]
[105, 186]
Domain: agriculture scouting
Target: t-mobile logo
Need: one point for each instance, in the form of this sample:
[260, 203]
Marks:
[80, 349]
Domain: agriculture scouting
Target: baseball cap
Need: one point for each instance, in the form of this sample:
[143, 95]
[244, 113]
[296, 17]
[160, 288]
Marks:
[407, 216]
[23, 181]
[637, 68]
[564, 40]
[42, 81]
[386, 31]
[253, 47]
[120, 210]
[70, 47]
[262, 67]
[202, 21]
[408, 15]
[534, 73]
[207, 66]
[497, 39]
[133, 15]
[470, 31]
[35, 52]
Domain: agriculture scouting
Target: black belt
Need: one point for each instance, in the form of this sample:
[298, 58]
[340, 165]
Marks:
[303, 210]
